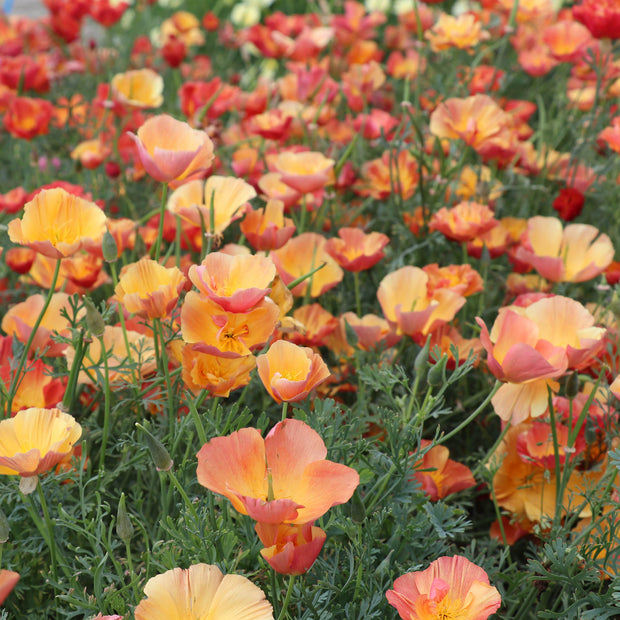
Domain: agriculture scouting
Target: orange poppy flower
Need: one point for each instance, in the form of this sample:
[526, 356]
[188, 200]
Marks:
[202, 591]
[182, 25]
[171, 151]
[301, 255]
[355, 250]
[28, 117]
[211, 329]
[91, 153]
[57, 224]
[289, 372]
[464, 222]
[274, 188]
[462, 32]
[228, 195]
[283, 478]
[267, 229]
[392, 173]
[440, 476]
[149, 289]
[314, 324]
[141, 88]
[574, 254]
[290, 549]
[372, 331]
[8, 580]
[451, 587]
[214, 373]
[36, 440]
[236, 283]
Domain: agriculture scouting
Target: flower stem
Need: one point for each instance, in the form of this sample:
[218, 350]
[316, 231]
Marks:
[20, 367]
[160, 232]
[106, 406]
[284, 410]
[287, 598]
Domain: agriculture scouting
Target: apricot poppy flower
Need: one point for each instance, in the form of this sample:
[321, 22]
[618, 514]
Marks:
[20, 319]
[8, 580]
[439, 475]
[290, 549]
[171, 151]
[202, 591]
[574, 254]
[283, 478]
[462, 32]
[236, 283]
[300, 256]
[305, 171]
[355, 250]
[36, 440]
[267, 229]
[140, 88]
[211, 329]
[372, 331]
[227, 195]
[464, 222]
[58, 224]
[408, 307]
[214, 373]
[290, 372]
[149, 289]
[451, 587]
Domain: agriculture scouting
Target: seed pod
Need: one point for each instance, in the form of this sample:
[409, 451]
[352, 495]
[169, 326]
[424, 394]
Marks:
[124, 526]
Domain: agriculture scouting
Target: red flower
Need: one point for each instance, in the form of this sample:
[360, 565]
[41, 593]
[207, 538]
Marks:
[569, 203]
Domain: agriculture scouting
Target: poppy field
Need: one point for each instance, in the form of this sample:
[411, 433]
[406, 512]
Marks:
[310, 310]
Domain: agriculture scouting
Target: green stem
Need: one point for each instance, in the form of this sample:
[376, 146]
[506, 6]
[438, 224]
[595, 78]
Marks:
[185, 497]
[200, 429]
[106, 405]
[474, 415]
[284, 410]
[287, 598]
[160, 231]
[358, 299]
[20, 367]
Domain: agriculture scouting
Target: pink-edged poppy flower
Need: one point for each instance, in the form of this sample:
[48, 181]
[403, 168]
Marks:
[290, 372]
[171, 151]
[355, 250]
[8, 580]
[290, 549]
[236, 283]
[574, 254]
[304, 171]
[202, 591]
[267, 229]
[451, 587]
[283, 478]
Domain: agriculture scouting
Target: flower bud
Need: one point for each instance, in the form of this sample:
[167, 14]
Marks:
[571, 386]
[160, 455]
[94, 320]
[421, 360]
[109, 247]
[437, 373]
[124, 526]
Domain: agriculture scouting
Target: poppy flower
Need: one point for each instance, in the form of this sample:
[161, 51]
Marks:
[202, 591]
[451, 587]
[149, 289]
[58, 224]
[171, 151]
[8, 579]
[267, 229]
[464, 222]
[290, 372]
[36, 440]
[283, 478]
[305, 171]
[355, 250]
[290, 549]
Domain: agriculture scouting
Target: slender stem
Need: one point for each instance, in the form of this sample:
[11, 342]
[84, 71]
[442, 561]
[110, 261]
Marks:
[20, 367]
[160, 232]
[474, 415]
[185, 497]
[287, 598]
[67, 399]
[284, 410]
[132, 574]
[200, 429]
[106, 405]
[358, 299]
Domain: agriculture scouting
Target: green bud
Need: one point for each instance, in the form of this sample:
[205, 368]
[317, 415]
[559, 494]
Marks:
[571, 386]
[4, 528]
[124, 526]
[160, 455]
[421, 360]
[109, 248]
[437, 373]
[94, 320]
[358, 510]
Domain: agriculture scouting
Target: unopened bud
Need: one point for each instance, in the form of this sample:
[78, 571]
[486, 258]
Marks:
[358, 510]
[94, 320]
[437, 374]
[109, 248]
[4, 528]
[160, 455]
[572, 385]
[124, 526]
[421, 360]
